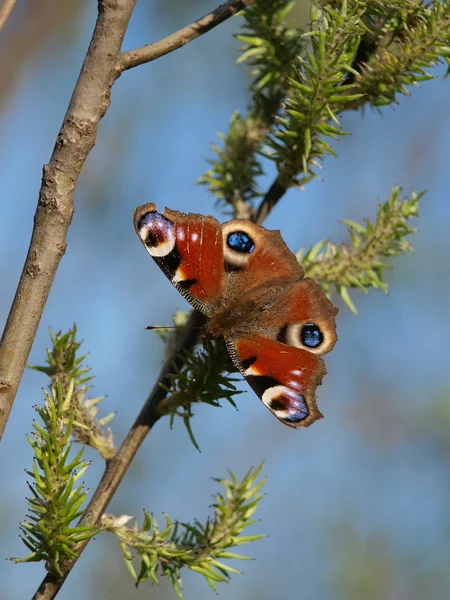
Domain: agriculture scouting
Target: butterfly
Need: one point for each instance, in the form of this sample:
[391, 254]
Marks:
[276, 323]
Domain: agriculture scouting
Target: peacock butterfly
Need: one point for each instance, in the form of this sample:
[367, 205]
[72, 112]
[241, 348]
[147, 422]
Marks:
[276, 323]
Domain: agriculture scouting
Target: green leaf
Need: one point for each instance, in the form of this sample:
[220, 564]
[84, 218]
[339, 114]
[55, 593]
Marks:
[361, 264]
[199, 547]
[55, 501]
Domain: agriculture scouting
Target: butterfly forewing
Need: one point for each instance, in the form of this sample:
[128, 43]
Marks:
[267, 260]
[188, 248]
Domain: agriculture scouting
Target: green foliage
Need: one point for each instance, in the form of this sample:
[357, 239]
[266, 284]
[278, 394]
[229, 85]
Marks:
[270, 46]
[232, 177]
[67, 368]
[361, 265]
[63, 363]
[66, 416]
[271, 43]
[204, 377]
[355, 53]
[403, 41]
[57, 497]
[318, 93]
[199, 547]
[360, 52]
[55, 502]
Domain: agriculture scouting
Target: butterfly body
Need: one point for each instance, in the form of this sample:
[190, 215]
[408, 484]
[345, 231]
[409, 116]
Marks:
[275, 322]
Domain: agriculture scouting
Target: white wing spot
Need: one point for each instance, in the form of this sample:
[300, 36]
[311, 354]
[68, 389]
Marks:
[275, 392]
[179, 275]
[252, 370]
[164, 248]
[160, 228]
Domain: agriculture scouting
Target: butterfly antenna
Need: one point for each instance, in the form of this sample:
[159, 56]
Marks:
[149, 327]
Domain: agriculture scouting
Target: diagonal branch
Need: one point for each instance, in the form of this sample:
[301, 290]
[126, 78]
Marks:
[117, 466]
[133, 58]
[273, 195]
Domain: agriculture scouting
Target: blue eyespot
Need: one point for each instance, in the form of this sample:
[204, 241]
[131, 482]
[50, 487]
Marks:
[239, 241]
[311, 335]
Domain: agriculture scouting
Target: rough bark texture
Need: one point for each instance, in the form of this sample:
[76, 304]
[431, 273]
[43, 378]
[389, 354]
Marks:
[90, 101]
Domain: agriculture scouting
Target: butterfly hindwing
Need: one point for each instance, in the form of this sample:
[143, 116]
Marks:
[284, 378]
[189, 250]
[280, 358]
[305, 318]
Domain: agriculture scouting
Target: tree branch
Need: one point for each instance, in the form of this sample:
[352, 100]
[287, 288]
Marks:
[89, 102]
[5, 11]
[133, 58]
[117, 466]
[149, 415]
[273, 195]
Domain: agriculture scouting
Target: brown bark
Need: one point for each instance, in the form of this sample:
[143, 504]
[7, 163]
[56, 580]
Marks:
[89, 102]
[176, 40]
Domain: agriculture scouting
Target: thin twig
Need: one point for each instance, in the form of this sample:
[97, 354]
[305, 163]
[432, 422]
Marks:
[5, 11]
[139, 56]
[274, 194]
[117, 467]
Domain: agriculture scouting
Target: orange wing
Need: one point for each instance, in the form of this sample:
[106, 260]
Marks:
[188, 249]
[285, 378]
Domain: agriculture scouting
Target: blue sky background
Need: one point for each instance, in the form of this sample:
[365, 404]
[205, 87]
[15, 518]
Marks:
[357, 505]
